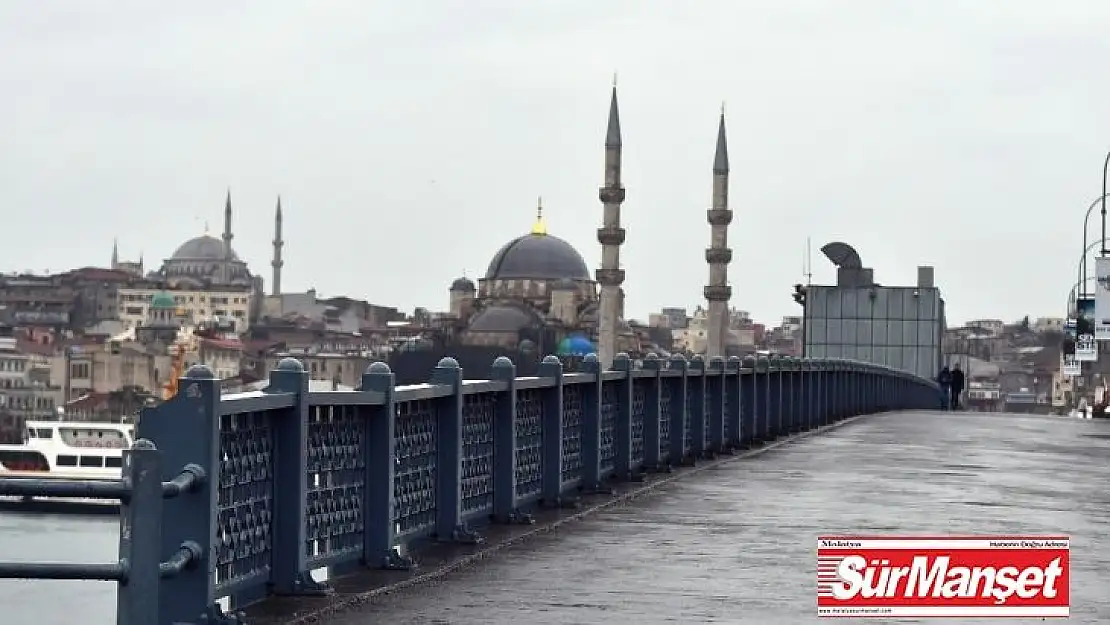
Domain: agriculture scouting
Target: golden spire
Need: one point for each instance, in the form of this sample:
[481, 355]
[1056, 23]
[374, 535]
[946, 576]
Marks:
[539, 227]
[205, 227]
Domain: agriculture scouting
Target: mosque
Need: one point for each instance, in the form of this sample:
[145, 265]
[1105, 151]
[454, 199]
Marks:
[536, 291]
[206, 276]
[201, 262]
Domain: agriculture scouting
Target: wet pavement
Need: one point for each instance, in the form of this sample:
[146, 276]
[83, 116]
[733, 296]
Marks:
[735, 543]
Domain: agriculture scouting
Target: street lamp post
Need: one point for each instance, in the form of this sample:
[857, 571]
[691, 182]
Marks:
[1105, 166]
[1086, 221]
[1081, 268]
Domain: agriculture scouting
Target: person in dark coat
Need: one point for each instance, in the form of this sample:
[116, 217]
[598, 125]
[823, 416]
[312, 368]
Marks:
[944, 379]
[957, 386]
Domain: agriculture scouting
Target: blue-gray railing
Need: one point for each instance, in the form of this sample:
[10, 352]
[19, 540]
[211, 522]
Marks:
[140, 569]
[303, 480]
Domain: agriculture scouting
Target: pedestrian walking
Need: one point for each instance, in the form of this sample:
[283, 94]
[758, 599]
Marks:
[944, 379]
[957, 386]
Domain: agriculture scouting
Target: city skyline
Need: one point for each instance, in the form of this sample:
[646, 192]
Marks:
[399, 131]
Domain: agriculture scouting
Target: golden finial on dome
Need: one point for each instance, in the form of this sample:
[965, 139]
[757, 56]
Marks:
[205, 227]
[539, 227]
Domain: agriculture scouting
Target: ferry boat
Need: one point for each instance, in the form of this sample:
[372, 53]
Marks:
[68, 450]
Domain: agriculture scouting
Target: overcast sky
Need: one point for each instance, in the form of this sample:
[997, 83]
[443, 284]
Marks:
[409, 139]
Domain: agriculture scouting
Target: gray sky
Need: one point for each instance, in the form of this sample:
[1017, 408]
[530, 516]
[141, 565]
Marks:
[964, 134]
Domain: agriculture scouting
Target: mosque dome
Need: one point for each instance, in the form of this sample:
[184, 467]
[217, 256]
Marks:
[537, 257]
[503, 319]
[463, 284]
[162, 300]
[204, 247]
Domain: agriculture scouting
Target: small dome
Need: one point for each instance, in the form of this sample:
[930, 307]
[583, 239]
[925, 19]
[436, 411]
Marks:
[162, 301]
[463, 284]
[204, 247]
[537, 257]
[503, 319]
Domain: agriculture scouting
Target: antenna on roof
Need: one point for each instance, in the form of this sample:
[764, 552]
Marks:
[807, 263]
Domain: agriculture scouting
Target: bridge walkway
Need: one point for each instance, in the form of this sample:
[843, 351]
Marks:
[735, 543]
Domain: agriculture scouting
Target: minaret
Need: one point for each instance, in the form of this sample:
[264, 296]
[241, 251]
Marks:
[277, 263]
[611, 236]
[115, 253]
[718, 255]
[227, 238]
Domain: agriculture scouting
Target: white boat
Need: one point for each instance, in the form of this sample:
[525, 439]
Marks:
[68, 450]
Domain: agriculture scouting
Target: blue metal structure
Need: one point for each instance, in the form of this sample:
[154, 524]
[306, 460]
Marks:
[300, 480]
[140, 569]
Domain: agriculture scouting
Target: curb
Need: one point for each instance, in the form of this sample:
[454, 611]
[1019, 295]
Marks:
[355, 600]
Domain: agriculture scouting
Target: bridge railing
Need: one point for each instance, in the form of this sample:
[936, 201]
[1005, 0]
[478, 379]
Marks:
[304, 480]
[140, 569]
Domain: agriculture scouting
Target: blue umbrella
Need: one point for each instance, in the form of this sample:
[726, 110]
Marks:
[575, 346]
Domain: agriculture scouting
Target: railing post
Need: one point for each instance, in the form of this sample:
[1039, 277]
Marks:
[732, 435]
[801, 389]
[859, 385]
[504, 454]
[763, 398]
[778, 404]
[828, 389]
[749, 398]
[380, 460]
[695, 399]
[449, 525]
[653, 408]
[591, 425]
[789, 395]
[188, 429]
[798, 384]
[845, 390]
[818, 367]
[289, 561]
[856, 377]
[685, 393]
[140, 537]
[888, 384]
[552, 478]
[818, 375]
[871, 394]
[622, 428]
[712, 387]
